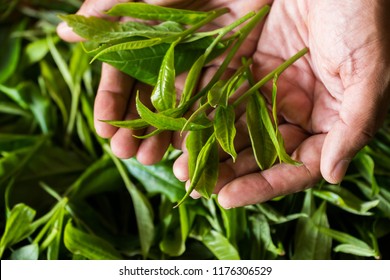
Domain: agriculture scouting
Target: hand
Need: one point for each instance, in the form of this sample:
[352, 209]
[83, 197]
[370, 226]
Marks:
[115, 99]
[330, 103]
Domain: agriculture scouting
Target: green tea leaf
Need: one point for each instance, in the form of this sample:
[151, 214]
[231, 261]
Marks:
[192, 79]
[157, 178]
[130, 124]
[366, 166]
[259, 127]
[220, 246]
[310, 243]
[127, 46]
[216, 93]
[263, 238]
[90, 246]
[203, 179]
[164, 93]
[104, 31]
[144, 64]
[151, 12]
[28, 252]
[10, 53]
[225, 130]
[143, 210]
[350, 244]
[162, 121]
[17, 227]
[346, 200]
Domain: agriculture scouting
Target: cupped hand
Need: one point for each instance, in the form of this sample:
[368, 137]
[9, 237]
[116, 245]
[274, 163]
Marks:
[115, 98]
[330, 102]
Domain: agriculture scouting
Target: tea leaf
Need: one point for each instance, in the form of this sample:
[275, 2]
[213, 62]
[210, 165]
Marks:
[90, 246]
[346, 200]
[259, 126]
[144, 64]
[27, 252]
[10, 53]
[310, 243]
[164, 93]
[17, 227]
[220, 246]
[157, 178]
[263, 238]
[143, 209]
[152, 12]
[192, 79]
[204, 179]
[225, 130]
[162, 121]
[350, 243]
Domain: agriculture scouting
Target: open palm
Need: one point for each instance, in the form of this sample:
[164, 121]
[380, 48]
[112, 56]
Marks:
[330, 103]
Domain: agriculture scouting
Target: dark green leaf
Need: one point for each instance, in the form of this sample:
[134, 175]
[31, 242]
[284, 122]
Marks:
[10, 53]
[220, 246]
[225, 130]
[263, 238]
[310, 243]
[157, 178]
[90, 246]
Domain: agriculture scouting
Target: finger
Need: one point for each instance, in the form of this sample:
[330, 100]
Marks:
[246, 162]
[152, 150]
[88, 8]
[279, 180]
[363, 111]
[111, 100]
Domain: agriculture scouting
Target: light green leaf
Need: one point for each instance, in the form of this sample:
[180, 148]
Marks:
[341, 197]
[259, 127]
[17, 227]
[204, 165]
[165, 122]
[225, 130]
[355, 245]
[28, 252]
[164, 93]
[152, 12]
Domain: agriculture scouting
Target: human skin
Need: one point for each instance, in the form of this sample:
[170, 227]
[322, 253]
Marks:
[330, 103]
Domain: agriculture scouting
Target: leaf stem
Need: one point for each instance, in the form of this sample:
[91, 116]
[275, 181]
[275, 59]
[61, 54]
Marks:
[270, 76]
[243, 33]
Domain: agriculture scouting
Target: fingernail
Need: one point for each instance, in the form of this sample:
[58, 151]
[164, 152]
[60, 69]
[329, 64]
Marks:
[340, 170]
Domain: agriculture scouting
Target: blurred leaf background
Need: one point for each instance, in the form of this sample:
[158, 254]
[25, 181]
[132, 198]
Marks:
[65, 196]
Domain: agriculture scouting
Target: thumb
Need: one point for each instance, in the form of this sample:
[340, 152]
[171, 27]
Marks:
[362, 113]
[88, 8]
